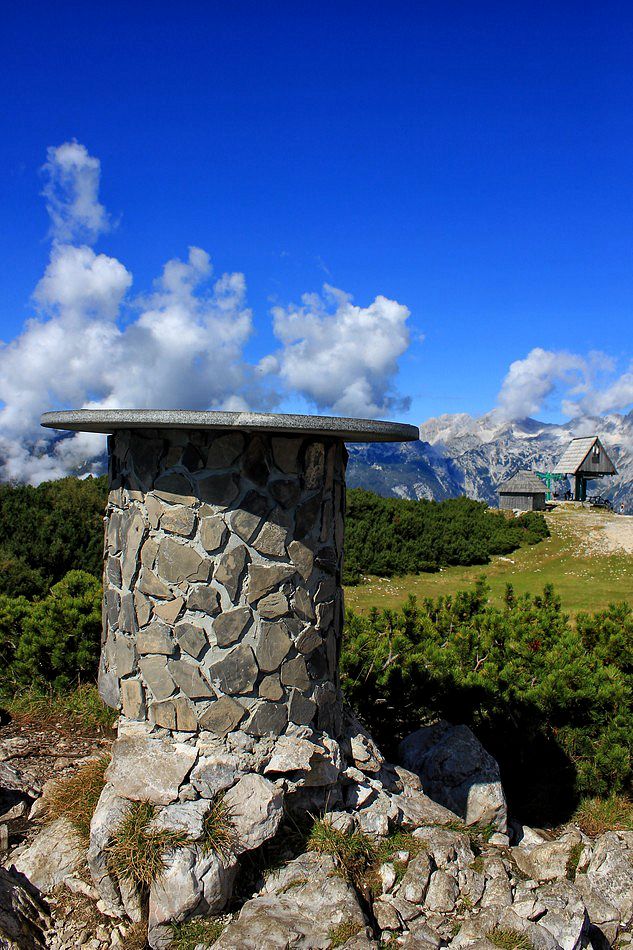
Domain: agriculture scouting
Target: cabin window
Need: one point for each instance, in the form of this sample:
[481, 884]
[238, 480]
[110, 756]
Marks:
[596, 453]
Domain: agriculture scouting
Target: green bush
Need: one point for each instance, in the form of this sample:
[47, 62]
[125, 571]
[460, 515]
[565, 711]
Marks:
[50, 530]
[550, 701]
[54, 641]
[388, 536]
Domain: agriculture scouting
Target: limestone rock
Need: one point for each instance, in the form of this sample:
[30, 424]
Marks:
[302, 557]
[54, 855]
[299, 906]
[271, 540]
[149, 769]
[267, 719]
[457, 772]
[547, 861]
[215, 773]
[230, 625]
[236, 671]
[610, 872]
[218, 490]
[256, 809]
[225, 449]
[170, 610]
[222, 716]
[182, 816]
[24, 918]
[175, 489]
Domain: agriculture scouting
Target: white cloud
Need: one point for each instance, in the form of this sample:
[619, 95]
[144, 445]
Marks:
[584, 385]
[341, 356]
[72, 193]
[180, 346]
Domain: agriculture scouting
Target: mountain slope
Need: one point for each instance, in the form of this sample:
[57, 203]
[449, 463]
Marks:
[460, 454]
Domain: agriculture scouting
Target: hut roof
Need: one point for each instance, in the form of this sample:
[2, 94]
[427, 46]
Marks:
[523, 483]
[576, 453]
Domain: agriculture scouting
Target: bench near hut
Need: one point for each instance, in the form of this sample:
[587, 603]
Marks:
[523, 492]
[584, 459]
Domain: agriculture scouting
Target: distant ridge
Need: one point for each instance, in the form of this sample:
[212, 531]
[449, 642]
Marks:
[463, 455]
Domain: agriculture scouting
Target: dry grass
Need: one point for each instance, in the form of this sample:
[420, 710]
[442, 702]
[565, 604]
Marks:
[597, 815]
[75, 798]
[509, 939]
[343, 932]
[189, 935]
[81, 709]
[354, 854]
[137, 852]
[136, 936]
[219, 832]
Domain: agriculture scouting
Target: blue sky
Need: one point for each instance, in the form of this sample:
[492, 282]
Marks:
[470, 161]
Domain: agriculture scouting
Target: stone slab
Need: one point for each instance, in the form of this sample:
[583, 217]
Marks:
[350, 430]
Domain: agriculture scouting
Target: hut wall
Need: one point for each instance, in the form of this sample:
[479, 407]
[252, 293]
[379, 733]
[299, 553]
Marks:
[535, 502]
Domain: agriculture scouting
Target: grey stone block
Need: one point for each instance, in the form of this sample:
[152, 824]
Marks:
[156, 675]
[229, 569]
[294, 673]
[213, 532]
[192, 639]
[273, 606]
[267, 719]
[263, 578]
[230, 625]
[218, 490]
[204, 598]
[273, 645]
[156, 638]
[178, 562]
[222, 716]
[237, 671]
[133, 699]
[187, 675]
[178, 520]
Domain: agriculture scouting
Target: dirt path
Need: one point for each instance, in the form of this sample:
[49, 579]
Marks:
[598, 533]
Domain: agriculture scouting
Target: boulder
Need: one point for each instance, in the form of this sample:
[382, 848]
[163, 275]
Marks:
[302, 905]
[610, 872]
[54, 855]
[256, 808]
[548, 861]
[149, 768]
[457, 772]
[24, 918]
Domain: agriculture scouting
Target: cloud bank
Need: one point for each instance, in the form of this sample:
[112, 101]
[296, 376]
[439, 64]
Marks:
[91, 344]
[578, 385]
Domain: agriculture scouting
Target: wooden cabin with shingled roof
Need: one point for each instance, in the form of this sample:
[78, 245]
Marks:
[523, 492]
[584, 459]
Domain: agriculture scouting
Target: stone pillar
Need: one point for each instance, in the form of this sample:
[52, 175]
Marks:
[223, 607]
[223, 614]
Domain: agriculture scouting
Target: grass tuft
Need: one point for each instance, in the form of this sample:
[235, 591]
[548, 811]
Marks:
[136, 852]
[597, 815]
[354, 853]
[573, 861]
[219, 834]
[81, 708]
[509, 939]
[200, 930]
[75, 798]
[343, 932]
[136, 936]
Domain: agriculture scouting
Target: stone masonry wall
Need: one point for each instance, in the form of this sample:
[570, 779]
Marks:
[223, 606]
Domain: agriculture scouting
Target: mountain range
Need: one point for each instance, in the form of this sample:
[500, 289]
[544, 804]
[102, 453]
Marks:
[464, 455]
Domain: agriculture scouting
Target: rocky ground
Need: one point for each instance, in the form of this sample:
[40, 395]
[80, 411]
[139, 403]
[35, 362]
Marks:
[431, 880]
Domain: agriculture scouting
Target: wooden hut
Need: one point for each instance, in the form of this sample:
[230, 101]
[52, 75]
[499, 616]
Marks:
[584, 459]
[524, 492]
